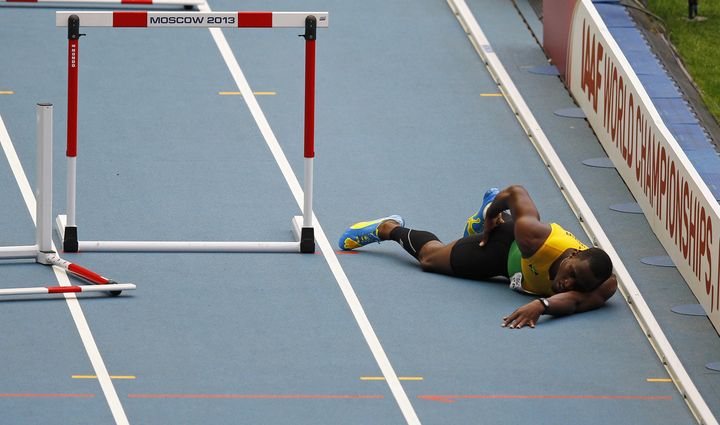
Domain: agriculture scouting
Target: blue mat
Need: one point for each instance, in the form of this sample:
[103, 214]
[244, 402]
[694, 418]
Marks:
[690, 136]
[628, 207]
[659, 261]
[602, 162]
[629, 39]
[689, 310]
[614, 15]
[712, 180]
[705, 160]
[544, 70]
[659, 87]
[570, 113]
[643, 62]
[674, 111]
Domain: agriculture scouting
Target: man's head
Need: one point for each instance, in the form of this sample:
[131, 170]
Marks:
[582, 271]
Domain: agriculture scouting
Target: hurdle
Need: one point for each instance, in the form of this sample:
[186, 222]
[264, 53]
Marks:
[185, 3]
[301, 226]
[43, 250]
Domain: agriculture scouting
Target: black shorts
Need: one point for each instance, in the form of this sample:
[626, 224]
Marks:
[471, 261]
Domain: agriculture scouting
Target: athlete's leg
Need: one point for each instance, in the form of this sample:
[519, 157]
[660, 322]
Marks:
[433, 255]
[463, 257]
[470, 260]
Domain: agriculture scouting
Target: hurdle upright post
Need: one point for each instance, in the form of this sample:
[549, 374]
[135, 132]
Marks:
[43, 193]
[70, 239]
[43, 251]
[307, 237]
[43, 204]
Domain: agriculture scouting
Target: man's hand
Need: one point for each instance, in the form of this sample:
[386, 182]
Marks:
[490, 224]
[526, 315]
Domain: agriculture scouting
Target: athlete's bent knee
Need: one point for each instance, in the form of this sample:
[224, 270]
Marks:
[426, 263]
[432, 257]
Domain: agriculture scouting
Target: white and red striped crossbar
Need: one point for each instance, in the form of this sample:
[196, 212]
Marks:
[144, 19]
[79, 271]
[115, 287]
[160, 2]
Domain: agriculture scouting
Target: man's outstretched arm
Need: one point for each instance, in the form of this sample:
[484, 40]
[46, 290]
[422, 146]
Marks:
[562, 304]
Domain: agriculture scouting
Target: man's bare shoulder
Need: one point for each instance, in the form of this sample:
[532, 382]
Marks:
[530, 234]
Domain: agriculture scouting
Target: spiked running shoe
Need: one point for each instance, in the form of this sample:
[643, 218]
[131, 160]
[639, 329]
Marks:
[364, 232]
[475, 223]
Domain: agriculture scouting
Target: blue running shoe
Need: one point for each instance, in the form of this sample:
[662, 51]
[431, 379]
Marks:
[364, 232]
[476, 222]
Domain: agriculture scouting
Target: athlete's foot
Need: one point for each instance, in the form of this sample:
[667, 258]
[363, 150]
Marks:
[386, 227]
[365, 232]
[476, 222]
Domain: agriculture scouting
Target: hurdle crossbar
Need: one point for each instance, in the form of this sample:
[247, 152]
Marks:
[302, 226]
[43, 250]
[186, 3]
[169, 19]
[41, 290]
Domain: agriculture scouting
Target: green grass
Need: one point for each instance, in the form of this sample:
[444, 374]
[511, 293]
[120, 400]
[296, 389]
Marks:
[696, 43]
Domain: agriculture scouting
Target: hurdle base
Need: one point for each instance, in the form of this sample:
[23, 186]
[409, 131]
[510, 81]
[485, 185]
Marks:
[304, 242]
[70, 239]
[18, 252]
[50, 258]
[68, 234]
[43, 257]
[186, 246]
[304, 235]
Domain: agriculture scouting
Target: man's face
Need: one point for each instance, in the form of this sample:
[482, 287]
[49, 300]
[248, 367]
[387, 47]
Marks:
[570, 271]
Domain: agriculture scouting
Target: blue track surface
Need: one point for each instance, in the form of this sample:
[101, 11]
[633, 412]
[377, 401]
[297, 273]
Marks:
[402, 128]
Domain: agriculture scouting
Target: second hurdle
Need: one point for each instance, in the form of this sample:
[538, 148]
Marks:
[43, 251]
[302, 226]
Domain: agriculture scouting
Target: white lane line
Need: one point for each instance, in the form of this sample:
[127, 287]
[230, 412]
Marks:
[62, 278]
[360, 317]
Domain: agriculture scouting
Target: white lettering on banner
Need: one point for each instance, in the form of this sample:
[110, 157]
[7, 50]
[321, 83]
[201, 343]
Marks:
[220, 20]
[678, 205]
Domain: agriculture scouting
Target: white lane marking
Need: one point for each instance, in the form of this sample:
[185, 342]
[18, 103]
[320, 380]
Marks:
[325, 246]
[62, 278]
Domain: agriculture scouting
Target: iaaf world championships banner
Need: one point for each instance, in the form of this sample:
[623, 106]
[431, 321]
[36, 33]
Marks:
[680, 208]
